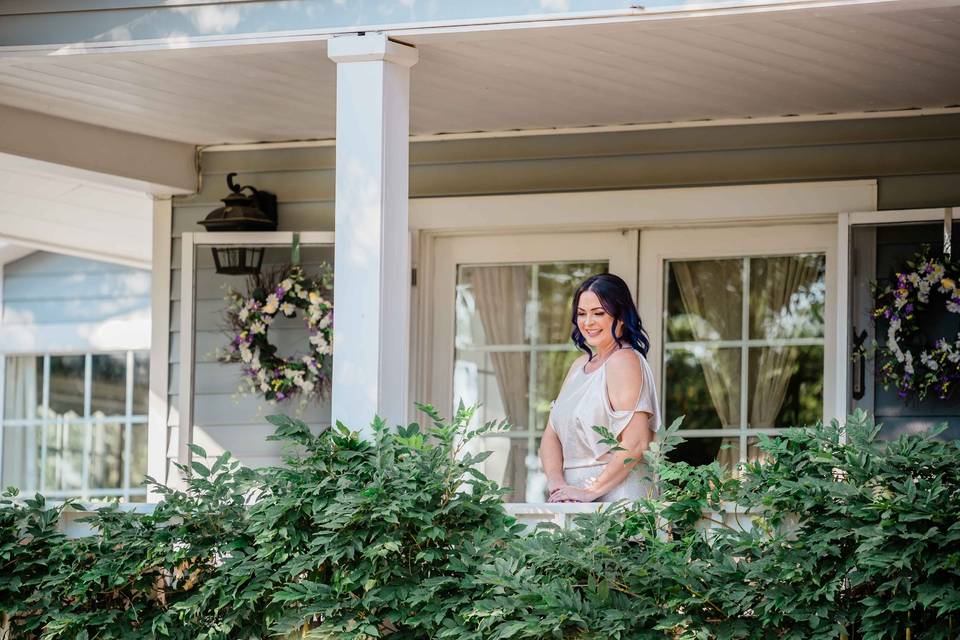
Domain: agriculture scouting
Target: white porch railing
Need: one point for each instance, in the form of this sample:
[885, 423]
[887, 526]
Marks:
[528, 514]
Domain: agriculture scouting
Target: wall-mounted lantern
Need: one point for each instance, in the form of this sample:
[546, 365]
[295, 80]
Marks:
[256, 211]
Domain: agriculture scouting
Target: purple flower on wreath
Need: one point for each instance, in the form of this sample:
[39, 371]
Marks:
[908, 308]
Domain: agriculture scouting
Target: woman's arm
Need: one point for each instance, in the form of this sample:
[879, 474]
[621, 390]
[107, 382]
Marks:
[551, 459]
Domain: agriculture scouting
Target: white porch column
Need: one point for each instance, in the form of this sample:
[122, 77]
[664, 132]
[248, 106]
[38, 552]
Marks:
[372, 253]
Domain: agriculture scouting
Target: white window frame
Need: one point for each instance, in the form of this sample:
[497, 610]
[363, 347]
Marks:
[190, 242]
[619, 248]
[658, 247]
[845, 224]
[127, 420]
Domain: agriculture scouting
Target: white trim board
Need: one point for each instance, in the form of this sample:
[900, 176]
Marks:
[190, 242]
[158, 404]
[694, 206]
[619, 128]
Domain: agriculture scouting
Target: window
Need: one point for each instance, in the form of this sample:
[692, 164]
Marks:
[75, 425]
[513, 350]
[743, 350]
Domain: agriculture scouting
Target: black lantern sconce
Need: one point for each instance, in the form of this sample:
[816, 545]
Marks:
[255, 211]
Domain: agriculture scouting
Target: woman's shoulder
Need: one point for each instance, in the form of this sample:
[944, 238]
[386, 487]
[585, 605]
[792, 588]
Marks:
[626, 360]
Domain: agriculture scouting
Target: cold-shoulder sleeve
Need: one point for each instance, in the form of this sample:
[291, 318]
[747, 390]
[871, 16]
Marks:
[647, 402]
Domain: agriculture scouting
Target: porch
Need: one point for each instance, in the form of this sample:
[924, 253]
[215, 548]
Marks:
[628, 142]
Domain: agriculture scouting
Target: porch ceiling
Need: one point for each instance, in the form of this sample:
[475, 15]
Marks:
[816, 59]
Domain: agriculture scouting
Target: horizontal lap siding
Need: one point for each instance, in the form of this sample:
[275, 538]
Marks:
[224, 418]
[67, 304]
[916, 162]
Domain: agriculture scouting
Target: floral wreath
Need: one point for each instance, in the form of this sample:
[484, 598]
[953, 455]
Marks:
[908, 361]
[249, 316]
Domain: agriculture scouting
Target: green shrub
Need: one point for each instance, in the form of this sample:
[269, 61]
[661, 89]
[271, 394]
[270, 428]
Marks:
[400, 536]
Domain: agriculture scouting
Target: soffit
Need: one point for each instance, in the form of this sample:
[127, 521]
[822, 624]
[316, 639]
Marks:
[848, 59]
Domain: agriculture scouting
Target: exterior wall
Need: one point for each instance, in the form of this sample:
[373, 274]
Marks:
[916, 162]
[57, 303]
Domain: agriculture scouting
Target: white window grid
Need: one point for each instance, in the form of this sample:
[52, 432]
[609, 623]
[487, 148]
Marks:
[530, 432]
[89, 421]
[744, 431]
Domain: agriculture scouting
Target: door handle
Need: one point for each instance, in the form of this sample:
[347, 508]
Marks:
[858, 388]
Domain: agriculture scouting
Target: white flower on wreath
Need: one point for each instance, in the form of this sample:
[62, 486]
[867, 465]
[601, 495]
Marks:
[953, 306]
[287, 309]
[928, 361]
[324, 322]
[257, 327]
[314, 298]
[923, 291]
[908, 363]
[287, 284]
[914, 278]
[272, 304]
[937, 273]
[245, 354]
[243, 314]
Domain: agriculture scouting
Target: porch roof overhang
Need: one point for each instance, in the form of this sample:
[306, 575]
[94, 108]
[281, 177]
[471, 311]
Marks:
[722, 62]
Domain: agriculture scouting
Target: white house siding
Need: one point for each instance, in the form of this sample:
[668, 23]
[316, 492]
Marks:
[54, 303]
[916, 162]
[224, 419]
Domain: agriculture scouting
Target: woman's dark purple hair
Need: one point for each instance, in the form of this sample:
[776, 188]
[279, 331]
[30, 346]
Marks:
[615, 298]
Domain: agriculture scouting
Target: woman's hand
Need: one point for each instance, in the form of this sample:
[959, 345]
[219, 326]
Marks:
[569, 493]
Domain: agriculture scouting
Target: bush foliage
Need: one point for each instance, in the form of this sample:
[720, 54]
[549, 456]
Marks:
[400, 536]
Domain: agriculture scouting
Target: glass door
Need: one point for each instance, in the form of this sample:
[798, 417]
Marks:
[502, 334]
[741, 333]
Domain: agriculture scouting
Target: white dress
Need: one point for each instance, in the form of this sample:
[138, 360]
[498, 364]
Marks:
[583, 402]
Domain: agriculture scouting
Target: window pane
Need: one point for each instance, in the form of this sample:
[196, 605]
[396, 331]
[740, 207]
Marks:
[787, 296]
[109, 385]
[21, 455]
[556, 284]
[704, 300]
[786, 386]
[552, 367]
[23, 393]
[703, 384]
[498, 381]
[64, 465]
[138, 456]
[514, 464]
[106, 456]
[66, 384]
[701, 451]
[492, 304]
[754, 453]
[141, 382]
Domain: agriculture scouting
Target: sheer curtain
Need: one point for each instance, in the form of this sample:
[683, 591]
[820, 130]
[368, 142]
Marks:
[714, 318]
[20, 443]
[501, 295]
[773, 316]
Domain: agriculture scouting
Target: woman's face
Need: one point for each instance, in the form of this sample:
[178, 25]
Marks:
[593, 321]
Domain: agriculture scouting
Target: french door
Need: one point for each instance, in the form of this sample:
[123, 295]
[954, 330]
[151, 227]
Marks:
[500, 333]
[741, 322]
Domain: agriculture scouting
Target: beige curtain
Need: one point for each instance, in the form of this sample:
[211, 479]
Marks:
[501, 295]
[714, 316]
[772, 317]
[20, 444]
[706, 295]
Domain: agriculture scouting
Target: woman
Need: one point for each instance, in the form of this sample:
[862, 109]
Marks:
[611, 385]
